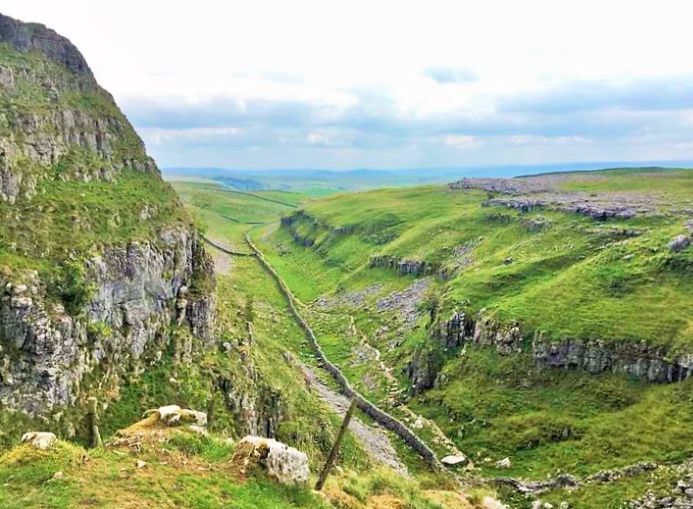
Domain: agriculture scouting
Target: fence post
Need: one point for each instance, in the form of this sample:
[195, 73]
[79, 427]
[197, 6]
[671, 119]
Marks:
[93, 416]
[335, 448]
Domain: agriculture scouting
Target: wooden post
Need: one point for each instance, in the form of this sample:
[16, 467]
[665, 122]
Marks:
[94, 422]
[211, 407]
[335, 448]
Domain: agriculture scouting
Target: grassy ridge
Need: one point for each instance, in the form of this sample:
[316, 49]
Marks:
[575, 277]
[571, 276]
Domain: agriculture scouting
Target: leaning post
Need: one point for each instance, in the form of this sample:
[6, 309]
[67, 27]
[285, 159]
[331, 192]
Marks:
[94, 422]
[335, 448]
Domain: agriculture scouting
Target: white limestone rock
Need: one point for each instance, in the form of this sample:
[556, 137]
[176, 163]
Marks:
[282, 463]
[40, 439]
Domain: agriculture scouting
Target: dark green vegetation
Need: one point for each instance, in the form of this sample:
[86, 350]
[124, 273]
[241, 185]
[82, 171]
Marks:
[562, 273]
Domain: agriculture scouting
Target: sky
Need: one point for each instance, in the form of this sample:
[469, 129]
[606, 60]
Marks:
[390, 84]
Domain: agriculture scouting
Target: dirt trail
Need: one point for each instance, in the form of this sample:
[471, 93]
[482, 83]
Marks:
[374, 440]
[222, 260]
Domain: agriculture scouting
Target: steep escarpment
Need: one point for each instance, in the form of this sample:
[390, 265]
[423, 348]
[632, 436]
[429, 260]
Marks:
[639, 360]
[56, 122]
[102, 273]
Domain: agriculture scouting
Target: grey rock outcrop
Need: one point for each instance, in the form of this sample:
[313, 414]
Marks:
[637, 359]
[423, 369]
[137, 292]
[679, 495]
[56, 120]
[40, 439]
[504, 185]
[37, 37]
[281, 462]
[679, 243]
[257, 407]
[545, 191]
[403, 267]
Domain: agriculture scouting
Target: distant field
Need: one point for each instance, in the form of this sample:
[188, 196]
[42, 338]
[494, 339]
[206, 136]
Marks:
[241, 207]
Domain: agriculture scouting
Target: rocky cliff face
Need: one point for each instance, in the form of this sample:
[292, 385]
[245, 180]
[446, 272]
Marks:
[403, 267]
[637, 359]
[121, 302]
[54, 118]
[138, 292]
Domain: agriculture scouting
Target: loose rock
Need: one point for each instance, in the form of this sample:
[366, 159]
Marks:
[281, 462]
[40, 439]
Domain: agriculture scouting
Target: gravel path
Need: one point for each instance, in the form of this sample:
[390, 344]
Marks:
[374, 440]
[222, 261]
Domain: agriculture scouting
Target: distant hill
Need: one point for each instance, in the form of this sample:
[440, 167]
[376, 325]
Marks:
[365, 178]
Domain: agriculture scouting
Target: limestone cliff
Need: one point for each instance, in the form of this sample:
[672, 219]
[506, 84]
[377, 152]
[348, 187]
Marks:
[55, 120]
[637, 359]
[101, 270]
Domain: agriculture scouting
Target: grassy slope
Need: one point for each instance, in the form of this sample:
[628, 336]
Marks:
[576, 278]
[188, 471]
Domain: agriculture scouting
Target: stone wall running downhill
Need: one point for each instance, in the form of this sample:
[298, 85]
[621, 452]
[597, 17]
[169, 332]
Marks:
[380, 416]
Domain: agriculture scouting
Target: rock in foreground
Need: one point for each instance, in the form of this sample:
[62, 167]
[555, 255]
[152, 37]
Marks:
[281, 462]
[40, 439]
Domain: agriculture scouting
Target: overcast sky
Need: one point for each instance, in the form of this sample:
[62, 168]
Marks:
[390, 84]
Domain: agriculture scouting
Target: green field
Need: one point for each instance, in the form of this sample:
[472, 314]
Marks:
[573, 277]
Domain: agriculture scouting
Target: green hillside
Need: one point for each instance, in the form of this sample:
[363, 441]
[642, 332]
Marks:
[562, 273]
[551, 269]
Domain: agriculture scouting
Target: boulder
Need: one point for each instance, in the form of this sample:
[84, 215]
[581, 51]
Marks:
[492, 503]
[173, 415]
[40, 439]
[679, 242]
[504, 463]
[281, 462]
[454, 460]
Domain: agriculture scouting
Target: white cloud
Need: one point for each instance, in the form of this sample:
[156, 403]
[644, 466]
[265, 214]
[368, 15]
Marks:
[461, 142]
[427, 65]
[159, 136]
[528, 139]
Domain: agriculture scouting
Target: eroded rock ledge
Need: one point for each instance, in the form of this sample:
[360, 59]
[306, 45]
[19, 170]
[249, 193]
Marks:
[37, 37]
[635, 358]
